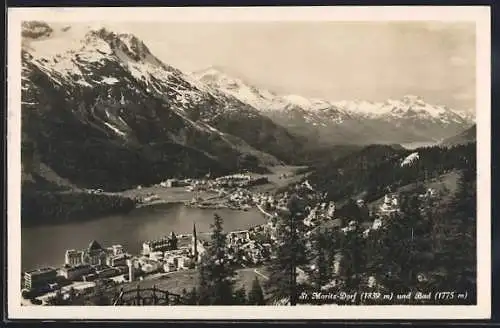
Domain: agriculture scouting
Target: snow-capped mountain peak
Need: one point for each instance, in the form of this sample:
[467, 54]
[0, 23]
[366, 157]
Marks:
[407, 106]
[259, 98]
[134, 48]
[95, 59]
[409, 116]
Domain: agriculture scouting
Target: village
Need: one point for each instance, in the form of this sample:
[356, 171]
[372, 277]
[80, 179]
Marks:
[83, 269]
[113, 265]
[232, 191]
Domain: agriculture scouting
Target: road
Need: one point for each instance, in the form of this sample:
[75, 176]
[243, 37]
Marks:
[264, 212]
[260, 274]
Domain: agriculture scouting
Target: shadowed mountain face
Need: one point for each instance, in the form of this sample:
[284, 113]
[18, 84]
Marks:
[105, 112]
[463, 138]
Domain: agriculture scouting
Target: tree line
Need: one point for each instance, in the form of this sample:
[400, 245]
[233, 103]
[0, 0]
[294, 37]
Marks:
[376, 169]
[46, 206]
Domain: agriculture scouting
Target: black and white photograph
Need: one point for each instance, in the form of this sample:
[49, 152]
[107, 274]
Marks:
[251, 158]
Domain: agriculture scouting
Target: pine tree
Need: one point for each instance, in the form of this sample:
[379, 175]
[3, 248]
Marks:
[56, 299]
[99, 296]
[240, 297]
[256, 295]
[353, 258]
[215, 272]
[191, 297]
[388, 253]
[459, 247]
[203, 286]
[320, 272]
[289, 253]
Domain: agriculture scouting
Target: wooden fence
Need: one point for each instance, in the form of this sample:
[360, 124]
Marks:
[147, 296]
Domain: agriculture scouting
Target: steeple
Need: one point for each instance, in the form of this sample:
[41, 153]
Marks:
[195, 243]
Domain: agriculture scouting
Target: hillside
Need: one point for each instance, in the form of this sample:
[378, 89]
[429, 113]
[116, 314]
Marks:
[463, 138]
[445, 185]
[376, 170]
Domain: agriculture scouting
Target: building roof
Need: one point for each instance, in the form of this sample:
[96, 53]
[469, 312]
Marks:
[76, 267]
[41, 270]
[94, 245]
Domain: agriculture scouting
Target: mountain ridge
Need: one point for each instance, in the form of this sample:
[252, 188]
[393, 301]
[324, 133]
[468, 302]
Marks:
[109, 92]
[467, 136]
[392, 121]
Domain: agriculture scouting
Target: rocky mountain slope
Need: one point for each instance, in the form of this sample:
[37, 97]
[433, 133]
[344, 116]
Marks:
[101, 110]
[409, 119]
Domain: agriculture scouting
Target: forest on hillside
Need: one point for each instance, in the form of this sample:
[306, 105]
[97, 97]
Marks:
[376, 170]
[44, 206]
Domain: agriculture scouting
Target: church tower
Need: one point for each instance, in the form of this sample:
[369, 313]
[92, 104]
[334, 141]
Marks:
[195, 243]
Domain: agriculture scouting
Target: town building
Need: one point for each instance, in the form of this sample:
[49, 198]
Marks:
[75, 272]
[106, 272]
[89, 277]
[390, 205]
[170, 183]
[117, 260]
[149, 266]
[117, 249]
[177, 262]
[169, 267]
[161, 245]
[95, 254]
[429, 194]
[377, 223]
[330, 212]
[156, 256]
[39, 278]
[73, 257]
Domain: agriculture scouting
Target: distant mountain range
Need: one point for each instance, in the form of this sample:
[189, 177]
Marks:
[99, 110]
[409, 119]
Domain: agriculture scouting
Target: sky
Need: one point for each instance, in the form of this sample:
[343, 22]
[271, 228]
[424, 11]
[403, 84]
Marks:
[330, 60]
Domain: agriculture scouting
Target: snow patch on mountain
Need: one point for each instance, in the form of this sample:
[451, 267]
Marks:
[109, 80]
[115, 129]
[410, 159]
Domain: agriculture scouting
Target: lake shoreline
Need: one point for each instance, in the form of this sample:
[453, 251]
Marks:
[174, 196]
[45, 245]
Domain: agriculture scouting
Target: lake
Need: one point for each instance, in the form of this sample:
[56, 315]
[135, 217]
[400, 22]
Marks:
[420, 144]
[46, 245]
